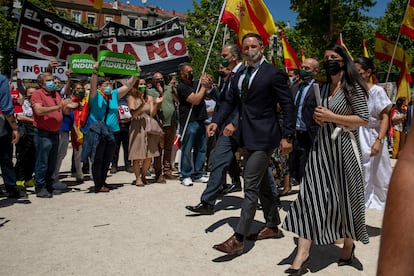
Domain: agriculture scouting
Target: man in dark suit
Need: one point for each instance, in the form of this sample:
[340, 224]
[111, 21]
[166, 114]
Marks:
[306, 128]
[256, 92]
[223, 156]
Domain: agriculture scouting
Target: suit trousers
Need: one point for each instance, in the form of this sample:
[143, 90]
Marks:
[222, 157]
[256, 185]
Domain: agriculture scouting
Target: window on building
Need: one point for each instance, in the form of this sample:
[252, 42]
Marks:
[91, 19]
[108, 19]
[144, 23]
[131, 22]
[76, 16]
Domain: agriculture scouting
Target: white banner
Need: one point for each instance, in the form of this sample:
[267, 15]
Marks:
[30, 69]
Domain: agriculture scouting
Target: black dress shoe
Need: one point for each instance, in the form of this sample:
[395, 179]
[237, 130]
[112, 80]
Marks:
[234, 187]
[342, 262]
[202, 209]
[303, 269]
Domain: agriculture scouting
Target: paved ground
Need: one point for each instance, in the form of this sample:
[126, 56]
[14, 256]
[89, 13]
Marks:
[147, 231]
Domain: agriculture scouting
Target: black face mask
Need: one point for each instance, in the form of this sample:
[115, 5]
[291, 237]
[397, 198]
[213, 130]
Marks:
[332, 67]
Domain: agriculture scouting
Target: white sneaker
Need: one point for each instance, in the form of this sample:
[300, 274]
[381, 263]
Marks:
[187, 181]
[59, 186]
[202, 179]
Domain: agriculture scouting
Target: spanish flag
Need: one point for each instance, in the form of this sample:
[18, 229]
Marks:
[405, 79]
[407, 27]
[365, 50]
[384, 49]
[289, 55]
[97, 4]
[302, 54]
[249, 16]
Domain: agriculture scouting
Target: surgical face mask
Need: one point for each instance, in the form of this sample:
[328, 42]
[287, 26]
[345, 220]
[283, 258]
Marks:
[80, 93]
[190, 76]
[305, 75]
[58, 86]
[50, 86]
[332, 67]
[107, 90]
[142, 88]
[253, 56]
[224, 61]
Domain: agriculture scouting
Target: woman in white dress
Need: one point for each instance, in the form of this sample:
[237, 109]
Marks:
[375, 156]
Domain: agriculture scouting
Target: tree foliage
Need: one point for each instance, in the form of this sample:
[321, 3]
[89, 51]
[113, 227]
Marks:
[8, 31]
[201, 25]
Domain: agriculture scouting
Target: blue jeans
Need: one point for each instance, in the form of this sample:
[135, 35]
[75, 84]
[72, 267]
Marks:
[47, 145]
[194, 144]
[221, 157]
[6, 164]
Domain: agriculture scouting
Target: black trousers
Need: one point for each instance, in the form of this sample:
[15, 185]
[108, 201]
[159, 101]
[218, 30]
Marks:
[100, 165]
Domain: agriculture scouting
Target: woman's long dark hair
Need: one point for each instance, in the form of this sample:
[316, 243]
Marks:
[351, 75]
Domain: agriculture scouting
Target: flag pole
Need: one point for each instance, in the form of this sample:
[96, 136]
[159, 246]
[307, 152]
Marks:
[204, 67]
[396, 43]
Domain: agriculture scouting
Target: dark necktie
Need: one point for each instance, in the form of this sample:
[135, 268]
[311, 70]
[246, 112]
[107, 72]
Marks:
[245, 83]
[297, 102]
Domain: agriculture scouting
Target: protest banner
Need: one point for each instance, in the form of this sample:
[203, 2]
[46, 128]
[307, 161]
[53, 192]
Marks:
[30, 69]
[45, 35]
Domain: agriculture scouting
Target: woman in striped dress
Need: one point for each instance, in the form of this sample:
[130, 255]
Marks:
[330, 204]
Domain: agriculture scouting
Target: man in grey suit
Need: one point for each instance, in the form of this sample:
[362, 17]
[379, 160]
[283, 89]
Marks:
[256, 92]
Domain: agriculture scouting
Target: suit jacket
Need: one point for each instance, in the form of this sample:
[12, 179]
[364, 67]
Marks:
[258, 115]
[308, 108]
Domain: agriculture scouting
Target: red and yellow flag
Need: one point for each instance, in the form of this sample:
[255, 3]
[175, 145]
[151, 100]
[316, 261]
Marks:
[341, 42]
[364, 45]
[302, 55]
[97, 4]
[407, 27]
[405, 79]
[384, 49]
[249, 16]
[290, 57]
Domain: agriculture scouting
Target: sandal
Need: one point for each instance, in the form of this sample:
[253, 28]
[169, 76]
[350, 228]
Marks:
[138, 184]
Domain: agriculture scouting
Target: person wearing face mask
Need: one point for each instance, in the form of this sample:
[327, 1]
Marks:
[223, 156]
[167, 116]
[25, 148]
[306, 128]
[255, 93]
[330, 205]
[294, 76]
[192, 109]
[99, 140]
[47, 107]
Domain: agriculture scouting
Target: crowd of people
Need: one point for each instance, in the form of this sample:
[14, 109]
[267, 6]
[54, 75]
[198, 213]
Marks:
[328, 137]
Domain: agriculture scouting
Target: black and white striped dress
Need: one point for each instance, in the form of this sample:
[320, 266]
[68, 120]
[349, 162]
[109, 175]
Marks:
[330, 203]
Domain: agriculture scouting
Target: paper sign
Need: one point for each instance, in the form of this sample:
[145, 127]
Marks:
[81, 64]
[117, 63]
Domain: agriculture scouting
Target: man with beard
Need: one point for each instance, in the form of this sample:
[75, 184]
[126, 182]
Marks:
[256, 92]
[223, 156]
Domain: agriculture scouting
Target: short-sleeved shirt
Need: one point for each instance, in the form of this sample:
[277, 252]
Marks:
[97, 110]
[199, 112]
[167, 111]
[51, 121]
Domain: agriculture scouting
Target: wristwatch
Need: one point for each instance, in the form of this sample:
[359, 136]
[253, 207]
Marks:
[288, 137]
[381, 140]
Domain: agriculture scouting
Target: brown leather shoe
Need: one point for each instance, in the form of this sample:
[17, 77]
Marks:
[231, 246]
[266, 233]
[170, 176]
